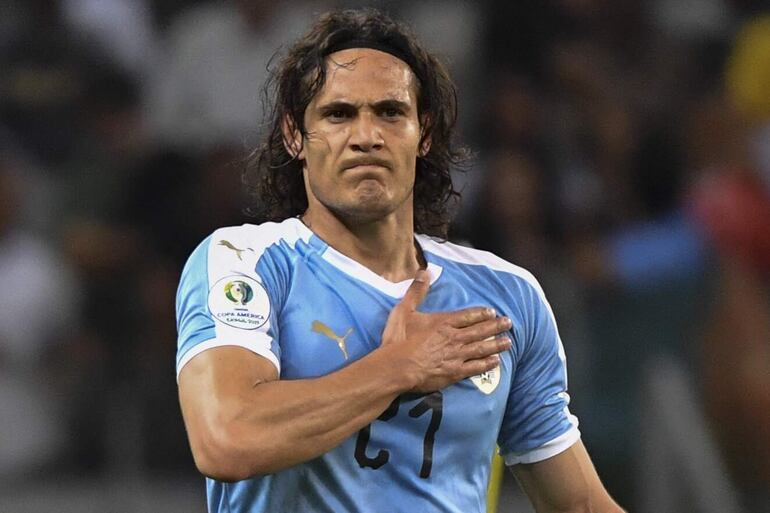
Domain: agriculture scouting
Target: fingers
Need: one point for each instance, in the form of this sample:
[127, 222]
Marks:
[484, 329]
[485, 348]
[476, 367]
[417, 291]
[470, 316]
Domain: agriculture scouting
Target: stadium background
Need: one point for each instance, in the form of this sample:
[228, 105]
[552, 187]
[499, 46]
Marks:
[622, 155]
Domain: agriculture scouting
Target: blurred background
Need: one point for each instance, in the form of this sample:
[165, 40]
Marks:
[622, 155]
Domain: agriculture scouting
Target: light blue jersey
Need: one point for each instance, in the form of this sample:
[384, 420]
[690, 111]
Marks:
[283, 293]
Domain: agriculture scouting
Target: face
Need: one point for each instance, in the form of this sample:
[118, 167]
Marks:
[363, 134]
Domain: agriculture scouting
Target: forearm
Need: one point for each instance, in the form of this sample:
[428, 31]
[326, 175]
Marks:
[309, 417]
[605, 507]
[266, 427]
[594, 501]
[582, 508]
[565, 483]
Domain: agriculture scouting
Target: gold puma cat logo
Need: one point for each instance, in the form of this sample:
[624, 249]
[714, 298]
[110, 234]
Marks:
[323, 329]
[238, 252]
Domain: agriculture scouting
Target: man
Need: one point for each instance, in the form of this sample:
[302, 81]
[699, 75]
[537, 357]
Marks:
[335, 361]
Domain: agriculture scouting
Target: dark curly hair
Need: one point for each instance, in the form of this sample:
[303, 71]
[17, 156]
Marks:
[274, 178]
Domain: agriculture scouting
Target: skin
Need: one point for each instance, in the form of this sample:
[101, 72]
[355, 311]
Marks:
[359, 155]
[565, 483]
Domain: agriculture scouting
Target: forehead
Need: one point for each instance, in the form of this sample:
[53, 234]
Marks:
[367, 75]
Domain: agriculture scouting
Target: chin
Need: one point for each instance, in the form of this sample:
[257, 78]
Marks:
[364, 209]
[363, 213]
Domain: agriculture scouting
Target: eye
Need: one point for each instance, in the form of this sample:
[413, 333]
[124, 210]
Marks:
[392, 112]
[336, 115]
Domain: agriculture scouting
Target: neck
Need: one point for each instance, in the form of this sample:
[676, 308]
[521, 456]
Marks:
[385, 246]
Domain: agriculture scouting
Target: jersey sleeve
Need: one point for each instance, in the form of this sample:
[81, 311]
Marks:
[222, 300]
[537, 423]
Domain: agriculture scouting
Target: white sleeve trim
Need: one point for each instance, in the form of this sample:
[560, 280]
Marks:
[556, 446]
[259, 347]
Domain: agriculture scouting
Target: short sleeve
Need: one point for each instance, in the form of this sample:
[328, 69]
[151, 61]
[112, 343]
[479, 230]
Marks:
[223, 301]
[537, 423]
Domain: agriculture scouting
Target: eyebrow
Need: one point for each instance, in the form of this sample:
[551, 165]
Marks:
[379, 105]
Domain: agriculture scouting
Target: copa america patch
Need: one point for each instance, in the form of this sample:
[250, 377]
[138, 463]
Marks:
[240, 302]
[487, 381]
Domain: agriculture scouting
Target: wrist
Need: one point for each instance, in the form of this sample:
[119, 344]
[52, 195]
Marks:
[398, 371]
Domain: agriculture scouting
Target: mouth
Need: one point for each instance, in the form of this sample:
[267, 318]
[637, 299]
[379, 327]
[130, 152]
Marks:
[366, 168]
[366, 165]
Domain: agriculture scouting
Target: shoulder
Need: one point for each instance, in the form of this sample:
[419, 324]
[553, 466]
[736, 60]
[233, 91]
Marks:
[466, 256]
[242, 249]
[252, 240]
[253, 256]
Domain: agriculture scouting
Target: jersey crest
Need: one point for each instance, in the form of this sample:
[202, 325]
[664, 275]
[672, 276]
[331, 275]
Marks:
[487, 381]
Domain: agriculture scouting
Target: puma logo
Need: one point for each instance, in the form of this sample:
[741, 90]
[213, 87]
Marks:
[238, 252]
[325, 330]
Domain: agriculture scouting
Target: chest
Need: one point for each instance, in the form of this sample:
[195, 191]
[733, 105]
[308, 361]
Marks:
[334, 321]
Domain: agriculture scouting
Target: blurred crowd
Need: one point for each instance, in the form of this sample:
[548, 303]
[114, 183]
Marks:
[622, 154]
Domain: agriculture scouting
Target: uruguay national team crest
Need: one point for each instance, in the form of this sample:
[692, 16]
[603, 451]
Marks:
[240, 302]
[487, 381]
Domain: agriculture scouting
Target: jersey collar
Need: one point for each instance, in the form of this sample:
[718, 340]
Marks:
[362, 273]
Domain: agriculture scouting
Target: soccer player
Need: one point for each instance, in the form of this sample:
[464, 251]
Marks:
[343, 357]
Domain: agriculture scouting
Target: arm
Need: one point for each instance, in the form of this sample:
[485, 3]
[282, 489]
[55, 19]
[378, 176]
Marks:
[539, 437]
[565, 483]
[243, 421]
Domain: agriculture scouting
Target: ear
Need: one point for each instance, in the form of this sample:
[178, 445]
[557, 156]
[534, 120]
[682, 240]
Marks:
[424, 147]
[292, 138]
[424, 141]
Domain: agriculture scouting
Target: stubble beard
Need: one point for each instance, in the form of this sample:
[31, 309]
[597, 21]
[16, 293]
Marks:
[368, 205]
[366, 208]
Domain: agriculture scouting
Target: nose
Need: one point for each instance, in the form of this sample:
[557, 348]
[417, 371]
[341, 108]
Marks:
[365, 135]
